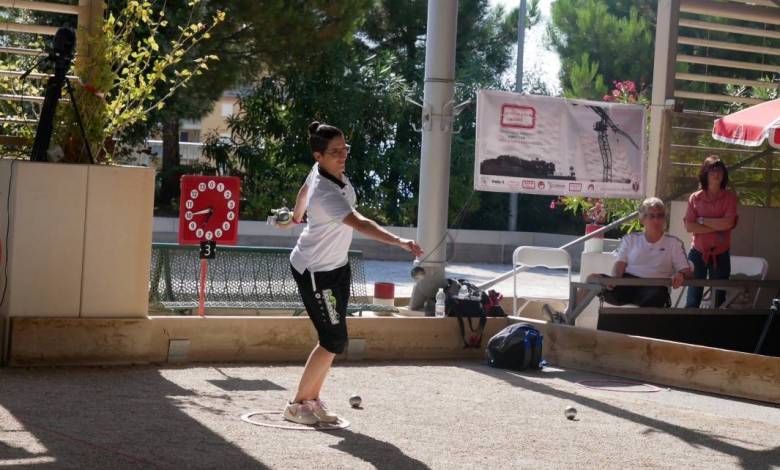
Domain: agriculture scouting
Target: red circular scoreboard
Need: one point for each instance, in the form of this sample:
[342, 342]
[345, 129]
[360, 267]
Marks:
[208, 209]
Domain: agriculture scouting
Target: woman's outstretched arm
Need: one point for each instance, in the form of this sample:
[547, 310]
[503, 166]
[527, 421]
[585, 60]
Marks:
[371, 229]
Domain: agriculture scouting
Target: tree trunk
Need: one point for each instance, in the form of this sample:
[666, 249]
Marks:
[171, 160]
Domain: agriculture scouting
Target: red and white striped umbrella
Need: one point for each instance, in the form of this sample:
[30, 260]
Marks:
[751, 126]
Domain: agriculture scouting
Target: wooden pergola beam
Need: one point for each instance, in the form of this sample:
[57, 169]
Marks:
[20, 51]
[727, 28]
[734, 64]
[32, 76]
[724, 80]
[761, 3]
[41, 6]
[731, 46]
[714, 97]
[758, 14]
[28, 28]
[14, 141]
[31, 99]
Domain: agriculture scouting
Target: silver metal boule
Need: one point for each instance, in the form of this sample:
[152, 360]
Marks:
[355, 401]
[570, 412]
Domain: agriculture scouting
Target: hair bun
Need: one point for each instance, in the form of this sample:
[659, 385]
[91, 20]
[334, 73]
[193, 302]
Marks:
[313, 127]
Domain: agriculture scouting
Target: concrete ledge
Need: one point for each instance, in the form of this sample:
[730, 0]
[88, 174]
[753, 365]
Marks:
[63, 341]
[85, 341]
[700, 368]
[78, 341]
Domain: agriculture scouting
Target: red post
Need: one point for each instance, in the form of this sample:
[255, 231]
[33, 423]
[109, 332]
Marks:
[204, 268]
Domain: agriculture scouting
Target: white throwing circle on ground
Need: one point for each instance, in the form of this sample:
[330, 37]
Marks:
[355, 401]
[570, 412]
[274, 419]
[627, 386]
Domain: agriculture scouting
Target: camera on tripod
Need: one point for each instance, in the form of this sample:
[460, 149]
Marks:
[61, 56]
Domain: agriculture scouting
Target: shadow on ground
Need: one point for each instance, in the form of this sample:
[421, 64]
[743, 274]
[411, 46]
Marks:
[132, 422]
[380, 454]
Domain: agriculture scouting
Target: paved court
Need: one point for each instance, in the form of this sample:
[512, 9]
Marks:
[440, 415]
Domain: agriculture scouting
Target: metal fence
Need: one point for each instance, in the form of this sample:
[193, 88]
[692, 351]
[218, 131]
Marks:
[239, 277]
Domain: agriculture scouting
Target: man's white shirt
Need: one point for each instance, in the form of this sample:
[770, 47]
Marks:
[664, 258]
[324, 243]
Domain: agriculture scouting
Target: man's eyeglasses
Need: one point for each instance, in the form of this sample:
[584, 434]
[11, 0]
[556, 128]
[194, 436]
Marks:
[657, 215]
[338, 151]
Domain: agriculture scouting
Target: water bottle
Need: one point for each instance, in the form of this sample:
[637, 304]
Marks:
[440, 302]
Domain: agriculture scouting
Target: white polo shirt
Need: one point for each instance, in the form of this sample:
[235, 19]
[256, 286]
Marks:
[663, 258]
[324, 243]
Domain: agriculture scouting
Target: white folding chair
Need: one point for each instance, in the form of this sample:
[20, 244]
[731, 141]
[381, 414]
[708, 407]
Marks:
[537, 257]
[742, 267]
[593, 263]
[745, 267]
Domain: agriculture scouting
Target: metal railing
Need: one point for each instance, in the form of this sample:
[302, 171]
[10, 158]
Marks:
[190, 152]
[572, 243]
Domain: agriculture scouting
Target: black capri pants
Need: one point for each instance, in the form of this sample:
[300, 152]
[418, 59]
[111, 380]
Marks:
[643, 296]
[325, 295]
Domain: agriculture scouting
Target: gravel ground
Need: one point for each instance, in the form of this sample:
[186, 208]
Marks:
[441, 415]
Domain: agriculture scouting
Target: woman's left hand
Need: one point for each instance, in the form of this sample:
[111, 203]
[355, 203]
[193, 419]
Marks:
[411, 246]
[286, 226]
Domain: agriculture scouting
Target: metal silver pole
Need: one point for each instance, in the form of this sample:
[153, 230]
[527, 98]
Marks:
[579, 240]
[512, 226]
[437, 114]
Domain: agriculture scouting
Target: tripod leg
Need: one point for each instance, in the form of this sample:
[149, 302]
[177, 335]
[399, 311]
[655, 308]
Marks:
[78, 120]
[767, 325]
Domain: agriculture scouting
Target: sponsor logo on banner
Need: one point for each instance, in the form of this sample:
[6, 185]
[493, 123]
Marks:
[529, 184]
[518, 117]
[560, 186]
[541, 185]
[575, 187]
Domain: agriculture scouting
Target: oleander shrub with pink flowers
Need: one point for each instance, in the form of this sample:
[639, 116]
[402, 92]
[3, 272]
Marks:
[602, 211]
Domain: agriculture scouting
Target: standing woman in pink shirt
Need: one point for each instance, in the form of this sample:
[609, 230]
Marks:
[712, 214]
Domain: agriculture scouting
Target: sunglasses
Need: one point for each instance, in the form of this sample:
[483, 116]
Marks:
[343, 150]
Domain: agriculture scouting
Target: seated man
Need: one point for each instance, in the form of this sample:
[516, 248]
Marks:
[648, 254]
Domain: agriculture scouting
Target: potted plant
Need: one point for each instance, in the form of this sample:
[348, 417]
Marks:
[79, 235]
[597, 212]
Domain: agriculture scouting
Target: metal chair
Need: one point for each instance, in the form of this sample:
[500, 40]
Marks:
[525, 257]
[745, 267]
[742, 267]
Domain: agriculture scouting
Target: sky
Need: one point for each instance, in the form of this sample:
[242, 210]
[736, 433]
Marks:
[537, 56]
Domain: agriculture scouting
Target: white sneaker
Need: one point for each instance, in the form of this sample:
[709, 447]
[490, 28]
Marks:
[301, 413]
[321, 411]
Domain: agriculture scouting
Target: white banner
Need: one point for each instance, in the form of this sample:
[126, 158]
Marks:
[555, 146]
